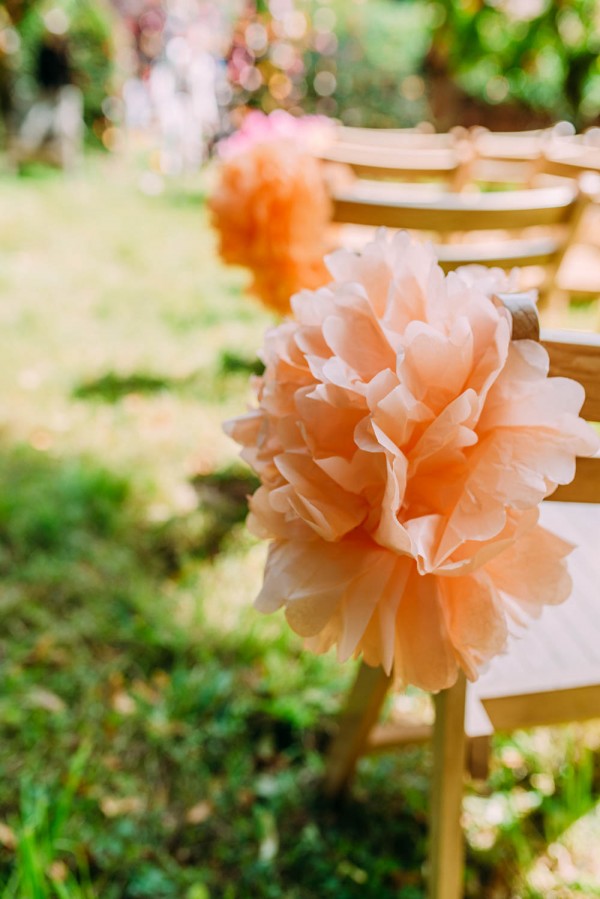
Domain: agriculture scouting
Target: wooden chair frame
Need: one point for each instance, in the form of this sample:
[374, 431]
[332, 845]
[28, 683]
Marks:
[404, 163]
[574, 163]
[399, 138]
[557, 210]
[507, 157]
[465, 719]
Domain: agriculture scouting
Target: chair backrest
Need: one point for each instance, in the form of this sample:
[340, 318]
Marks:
[460, 215]
[509, 145]
[513, 157]
[369, 204]
[399, 138]
[397, 164]
[571, 162]
[551, 675]
[577, 355]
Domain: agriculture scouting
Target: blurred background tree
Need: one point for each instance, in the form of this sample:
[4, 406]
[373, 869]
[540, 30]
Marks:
[515, 61]
[504, 63]
[360, 62]
[77, 34]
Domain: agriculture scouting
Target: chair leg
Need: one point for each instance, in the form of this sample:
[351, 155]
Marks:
[358, 718]
[446, 853]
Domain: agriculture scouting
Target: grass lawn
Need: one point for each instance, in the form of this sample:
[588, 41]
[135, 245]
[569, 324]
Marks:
[159, 738]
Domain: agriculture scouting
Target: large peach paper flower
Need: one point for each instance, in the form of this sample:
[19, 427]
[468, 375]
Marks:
[404, 443]
[271, 208]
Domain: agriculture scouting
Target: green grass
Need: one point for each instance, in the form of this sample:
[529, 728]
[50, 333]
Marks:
[159, 738]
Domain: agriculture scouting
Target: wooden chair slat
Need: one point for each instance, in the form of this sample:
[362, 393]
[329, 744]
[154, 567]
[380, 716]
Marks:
[409, 138]
[508, 210]
[505, 253]
[560, 650]
[385, 736]
[585, 488]
[523, 146]
[398, 160]
[573, 164]
[544, 709]
[577, 355]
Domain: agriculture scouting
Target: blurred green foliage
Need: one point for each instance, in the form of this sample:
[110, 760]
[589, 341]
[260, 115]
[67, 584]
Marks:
[380, 63]
[85, 27]
[538, 53]
[358, 61]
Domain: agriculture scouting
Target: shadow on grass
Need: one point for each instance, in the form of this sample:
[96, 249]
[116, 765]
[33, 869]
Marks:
[223, 497]
[112, 387]
[233, 363]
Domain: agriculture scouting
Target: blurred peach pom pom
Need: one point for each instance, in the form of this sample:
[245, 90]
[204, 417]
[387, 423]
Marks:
[403, 443]
[271, 208]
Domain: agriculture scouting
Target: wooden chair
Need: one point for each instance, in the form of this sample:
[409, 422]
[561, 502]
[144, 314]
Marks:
[580, 274]
[549, 676]
[535, 226]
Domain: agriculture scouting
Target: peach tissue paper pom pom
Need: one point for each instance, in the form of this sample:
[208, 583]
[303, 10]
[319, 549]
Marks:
[404, 444]
[271, 208]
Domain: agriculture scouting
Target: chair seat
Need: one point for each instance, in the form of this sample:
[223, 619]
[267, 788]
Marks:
[557, 655]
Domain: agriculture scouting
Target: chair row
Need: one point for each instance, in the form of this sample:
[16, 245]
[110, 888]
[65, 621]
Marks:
[535, 227]
[548, 231]
[460, 158]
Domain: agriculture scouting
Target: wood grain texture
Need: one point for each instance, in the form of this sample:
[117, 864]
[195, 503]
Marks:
[577, 355]
[544, 709]
[398, 164]
[399, 138]
[510, 210]
[525, 321]
[584, 488]
[573, 164]
[356, 723]
[446, 853]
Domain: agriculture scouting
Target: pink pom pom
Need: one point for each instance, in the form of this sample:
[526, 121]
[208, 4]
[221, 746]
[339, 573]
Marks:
[404, 444]
[271, 208]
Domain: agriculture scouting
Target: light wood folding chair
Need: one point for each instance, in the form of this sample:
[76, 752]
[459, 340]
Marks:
[549, 676]
[536, 226]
